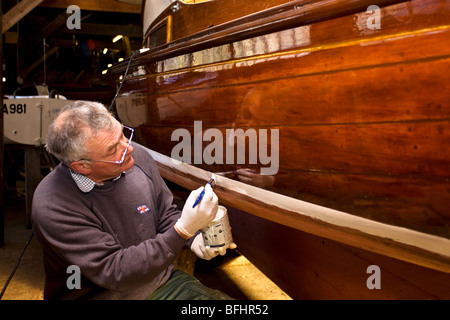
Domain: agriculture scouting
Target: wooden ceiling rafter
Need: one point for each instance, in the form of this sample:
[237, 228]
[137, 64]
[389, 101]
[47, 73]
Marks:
[132, 31]
[16, 13]
[95, 5]
[46, 19]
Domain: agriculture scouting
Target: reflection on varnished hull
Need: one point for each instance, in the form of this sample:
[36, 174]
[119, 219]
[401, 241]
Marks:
[356, 119]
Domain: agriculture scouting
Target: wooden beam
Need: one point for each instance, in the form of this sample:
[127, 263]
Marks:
[39, 61]
[94, 5]
[400, 243]
[130, 30]
[100, 44]
[50, 30]
[15, 14]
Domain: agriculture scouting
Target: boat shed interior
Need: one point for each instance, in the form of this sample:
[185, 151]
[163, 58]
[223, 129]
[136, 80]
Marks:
[305, 144]
[43, 55]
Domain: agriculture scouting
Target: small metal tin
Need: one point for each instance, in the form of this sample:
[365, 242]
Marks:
[217, 233]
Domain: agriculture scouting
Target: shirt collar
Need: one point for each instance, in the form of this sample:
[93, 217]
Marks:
[86, 184]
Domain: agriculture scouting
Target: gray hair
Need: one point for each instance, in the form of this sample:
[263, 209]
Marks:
[74, 125]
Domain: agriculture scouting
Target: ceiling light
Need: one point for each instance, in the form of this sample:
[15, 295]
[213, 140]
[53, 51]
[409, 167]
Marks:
[105, 50]
[117, 38]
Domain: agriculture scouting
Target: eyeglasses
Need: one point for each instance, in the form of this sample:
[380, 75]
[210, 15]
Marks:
[128, 134]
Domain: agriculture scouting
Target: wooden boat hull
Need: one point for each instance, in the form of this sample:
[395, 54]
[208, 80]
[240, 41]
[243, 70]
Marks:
[298, 243]
[361, 117]
[312, 267]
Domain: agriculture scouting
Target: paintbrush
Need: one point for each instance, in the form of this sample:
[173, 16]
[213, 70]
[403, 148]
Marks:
[211, 182]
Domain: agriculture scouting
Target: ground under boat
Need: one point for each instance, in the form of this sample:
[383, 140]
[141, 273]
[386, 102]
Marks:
[327, 125]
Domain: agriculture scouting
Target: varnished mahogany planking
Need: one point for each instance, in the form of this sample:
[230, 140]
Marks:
[363, 118]
[360, 131]
[282, 252]
[310, 267]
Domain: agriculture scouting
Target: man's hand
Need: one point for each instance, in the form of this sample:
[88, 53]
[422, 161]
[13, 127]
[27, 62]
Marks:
[207, 253]
[193, 219]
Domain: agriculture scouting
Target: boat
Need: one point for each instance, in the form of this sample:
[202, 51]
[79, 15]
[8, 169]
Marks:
[26, 121]
[326, 124]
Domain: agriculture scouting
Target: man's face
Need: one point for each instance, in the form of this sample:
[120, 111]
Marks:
[110, 146]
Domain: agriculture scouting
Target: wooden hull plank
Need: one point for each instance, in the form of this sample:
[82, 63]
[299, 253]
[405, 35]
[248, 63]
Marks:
[404, 244]
[310, 267]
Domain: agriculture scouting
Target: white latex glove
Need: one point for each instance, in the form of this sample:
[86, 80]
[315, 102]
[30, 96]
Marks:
[207, 253]
[193, 219]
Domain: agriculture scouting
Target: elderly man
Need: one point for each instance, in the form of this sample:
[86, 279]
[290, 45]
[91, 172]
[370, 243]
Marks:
[106, 211]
